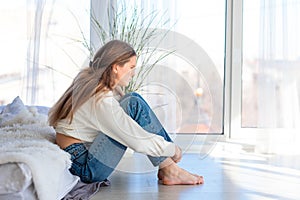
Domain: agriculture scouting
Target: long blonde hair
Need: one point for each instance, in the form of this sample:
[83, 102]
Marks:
[95, 79]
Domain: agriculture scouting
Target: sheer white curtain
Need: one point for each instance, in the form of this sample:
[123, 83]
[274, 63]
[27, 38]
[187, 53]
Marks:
[271, 73]
[279, 61]
[40, 48]
[33, 51]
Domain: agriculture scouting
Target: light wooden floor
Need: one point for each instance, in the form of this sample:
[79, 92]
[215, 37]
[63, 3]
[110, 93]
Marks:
[230, 173]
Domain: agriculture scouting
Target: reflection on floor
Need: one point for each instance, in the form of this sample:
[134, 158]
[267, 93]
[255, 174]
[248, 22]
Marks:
[230, 173]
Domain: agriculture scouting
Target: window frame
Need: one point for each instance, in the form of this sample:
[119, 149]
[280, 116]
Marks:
[234, 129]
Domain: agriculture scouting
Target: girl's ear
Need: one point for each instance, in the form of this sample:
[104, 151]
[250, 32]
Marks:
[115, 68]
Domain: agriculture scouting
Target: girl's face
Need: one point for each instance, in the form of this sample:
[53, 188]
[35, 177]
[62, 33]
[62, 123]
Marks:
[125, 73]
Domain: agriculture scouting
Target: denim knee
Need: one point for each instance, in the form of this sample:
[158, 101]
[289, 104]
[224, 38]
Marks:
[133, 94]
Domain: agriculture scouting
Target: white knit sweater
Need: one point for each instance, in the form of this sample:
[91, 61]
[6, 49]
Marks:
[107, 116]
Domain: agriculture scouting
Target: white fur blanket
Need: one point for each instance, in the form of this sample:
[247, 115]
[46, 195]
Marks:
[26, 137]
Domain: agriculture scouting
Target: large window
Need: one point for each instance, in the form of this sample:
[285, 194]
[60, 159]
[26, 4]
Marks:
[186, 88]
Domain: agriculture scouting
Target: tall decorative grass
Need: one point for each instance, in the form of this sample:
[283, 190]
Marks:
[132, 25]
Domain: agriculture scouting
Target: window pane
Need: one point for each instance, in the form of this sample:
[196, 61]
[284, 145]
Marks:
[189, 82]
[204, 23]
[271, 60]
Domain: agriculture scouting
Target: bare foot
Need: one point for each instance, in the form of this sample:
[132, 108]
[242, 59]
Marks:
[160, 175]
[174, 175]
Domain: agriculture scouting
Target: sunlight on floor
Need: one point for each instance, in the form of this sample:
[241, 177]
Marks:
[260, 176]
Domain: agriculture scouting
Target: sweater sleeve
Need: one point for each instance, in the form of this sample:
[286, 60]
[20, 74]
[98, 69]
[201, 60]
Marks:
[117, 124]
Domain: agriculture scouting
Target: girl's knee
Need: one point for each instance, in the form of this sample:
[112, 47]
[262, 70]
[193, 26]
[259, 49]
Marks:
[133, 103]
[135, 94]
[132, 97]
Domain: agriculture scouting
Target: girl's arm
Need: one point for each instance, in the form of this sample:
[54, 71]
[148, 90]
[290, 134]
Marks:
[112, 120]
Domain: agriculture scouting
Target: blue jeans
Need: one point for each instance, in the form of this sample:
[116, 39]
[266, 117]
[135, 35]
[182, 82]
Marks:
[98, 161]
